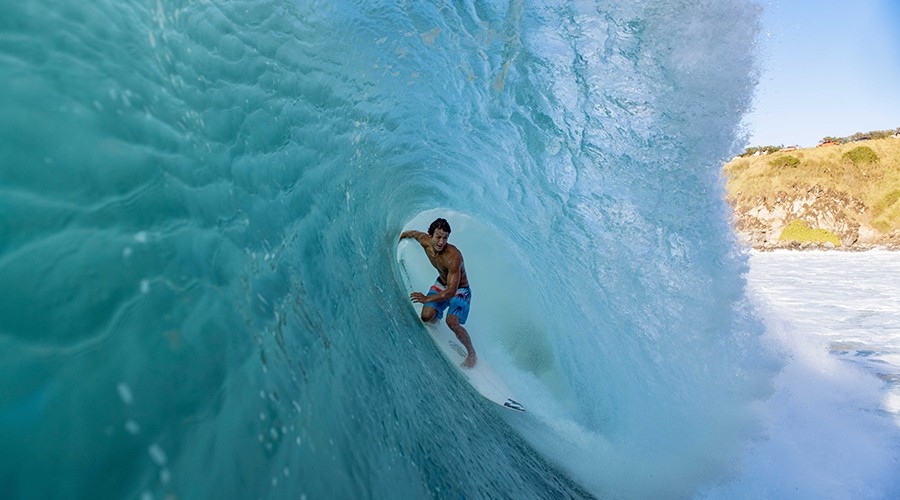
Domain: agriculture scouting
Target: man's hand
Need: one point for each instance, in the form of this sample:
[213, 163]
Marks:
[419, 298]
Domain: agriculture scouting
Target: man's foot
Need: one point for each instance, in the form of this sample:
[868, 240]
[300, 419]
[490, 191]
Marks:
[470, 361]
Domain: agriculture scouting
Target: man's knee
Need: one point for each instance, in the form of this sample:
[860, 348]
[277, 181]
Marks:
[428, 314]
[452, 320]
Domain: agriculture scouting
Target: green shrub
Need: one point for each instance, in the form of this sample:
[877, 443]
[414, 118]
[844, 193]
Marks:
[786, 161]
[862, 136]
[765, 150]
[797, 230]
[886, 202]
[861, 154]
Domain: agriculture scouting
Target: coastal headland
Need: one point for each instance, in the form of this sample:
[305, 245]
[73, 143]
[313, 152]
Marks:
[843, 194]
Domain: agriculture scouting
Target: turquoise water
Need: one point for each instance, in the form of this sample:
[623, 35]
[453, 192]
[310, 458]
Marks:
[199, 203]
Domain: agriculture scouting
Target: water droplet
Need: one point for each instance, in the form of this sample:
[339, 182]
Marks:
[132, 427]
[125, 393]
[157, 454]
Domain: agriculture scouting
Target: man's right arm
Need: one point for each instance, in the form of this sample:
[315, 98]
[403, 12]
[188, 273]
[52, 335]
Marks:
[412, 233]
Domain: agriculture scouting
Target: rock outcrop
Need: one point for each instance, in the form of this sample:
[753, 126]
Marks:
[760, 221]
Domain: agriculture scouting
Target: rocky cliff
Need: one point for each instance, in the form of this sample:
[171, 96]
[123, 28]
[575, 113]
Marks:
[761, 220]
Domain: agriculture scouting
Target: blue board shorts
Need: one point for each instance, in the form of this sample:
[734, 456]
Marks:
[458, 304]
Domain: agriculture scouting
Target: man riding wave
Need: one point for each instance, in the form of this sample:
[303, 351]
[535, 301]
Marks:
[451, 290]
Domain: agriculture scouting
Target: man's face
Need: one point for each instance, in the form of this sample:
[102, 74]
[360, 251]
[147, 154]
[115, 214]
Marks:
[439, 239]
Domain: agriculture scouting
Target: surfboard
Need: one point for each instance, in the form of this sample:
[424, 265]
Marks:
[417, 274]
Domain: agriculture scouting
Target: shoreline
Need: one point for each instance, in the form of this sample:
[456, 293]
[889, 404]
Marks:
[794, 246]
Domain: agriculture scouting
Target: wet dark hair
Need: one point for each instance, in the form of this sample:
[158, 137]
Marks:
[439, 223]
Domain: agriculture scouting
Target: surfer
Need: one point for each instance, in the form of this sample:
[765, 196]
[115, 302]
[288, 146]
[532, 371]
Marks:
[451, 288]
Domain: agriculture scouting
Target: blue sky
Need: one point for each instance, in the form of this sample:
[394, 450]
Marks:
[828, 67]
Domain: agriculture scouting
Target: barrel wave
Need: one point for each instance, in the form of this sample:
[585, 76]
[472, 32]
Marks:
[199, 209]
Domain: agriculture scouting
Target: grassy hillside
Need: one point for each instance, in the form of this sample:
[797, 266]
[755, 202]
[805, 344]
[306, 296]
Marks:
[868, 171]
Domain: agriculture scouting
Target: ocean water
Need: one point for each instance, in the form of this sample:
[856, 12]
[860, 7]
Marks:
[199, 207]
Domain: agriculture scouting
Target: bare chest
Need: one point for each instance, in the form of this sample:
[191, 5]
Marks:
[440, 262]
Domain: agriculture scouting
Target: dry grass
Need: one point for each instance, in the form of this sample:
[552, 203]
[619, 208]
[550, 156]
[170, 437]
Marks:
[876, 184]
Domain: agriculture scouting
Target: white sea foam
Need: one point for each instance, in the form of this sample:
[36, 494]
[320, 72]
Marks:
[831, 429]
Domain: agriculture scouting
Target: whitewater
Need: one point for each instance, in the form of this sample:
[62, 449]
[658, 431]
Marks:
[199, 296]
